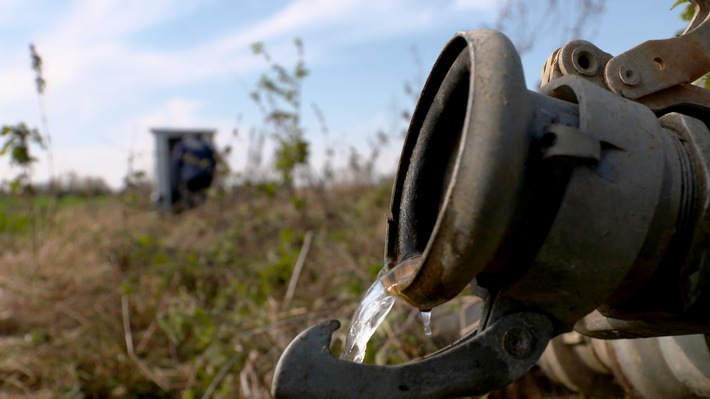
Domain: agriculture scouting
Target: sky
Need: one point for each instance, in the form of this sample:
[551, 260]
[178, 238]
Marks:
[114, 69]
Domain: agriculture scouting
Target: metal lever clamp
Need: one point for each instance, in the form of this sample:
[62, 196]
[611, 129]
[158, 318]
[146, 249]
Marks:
[657, 73]
[475, 365]
[656, 65]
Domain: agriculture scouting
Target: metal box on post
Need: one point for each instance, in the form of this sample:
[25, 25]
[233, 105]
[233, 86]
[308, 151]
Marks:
[165, 141]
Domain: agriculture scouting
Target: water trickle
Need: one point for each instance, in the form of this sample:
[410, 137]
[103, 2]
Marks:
[426, 320]
[375, 305]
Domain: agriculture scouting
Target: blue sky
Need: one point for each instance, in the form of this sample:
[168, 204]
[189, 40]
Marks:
[116, 68]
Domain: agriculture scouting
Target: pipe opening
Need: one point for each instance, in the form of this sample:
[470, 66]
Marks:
[433, 159]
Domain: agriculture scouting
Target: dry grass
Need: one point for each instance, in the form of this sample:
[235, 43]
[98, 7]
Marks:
[118, 301]
[121, 301]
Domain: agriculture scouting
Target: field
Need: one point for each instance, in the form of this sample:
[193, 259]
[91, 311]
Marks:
[114, 299]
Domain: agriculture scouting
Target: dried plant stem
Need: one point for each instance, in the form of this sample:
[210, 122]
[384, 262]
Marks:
[297, 270]
[250, 385]
[81, 319]
[289, 321]
[12, 380]
[220, 376]
[161, 309]
[351, 264]
[194, 369]
[160, 382]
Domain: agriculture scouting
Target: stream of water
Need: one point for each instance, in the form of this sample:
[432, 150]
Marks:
[375, 305]
[373, 308]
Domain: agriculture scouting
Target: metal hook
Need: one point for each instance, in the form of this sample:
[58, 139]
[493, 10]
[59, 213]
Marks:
[476, 364]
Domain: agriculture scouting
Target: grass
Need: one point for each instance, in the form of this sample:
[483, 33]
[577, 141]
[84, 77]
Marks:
[116, 300]
[21, 215]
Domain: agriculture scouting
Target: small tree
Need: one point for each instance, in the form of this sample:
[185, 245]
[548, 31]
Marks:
[17, 147]
[278, 95]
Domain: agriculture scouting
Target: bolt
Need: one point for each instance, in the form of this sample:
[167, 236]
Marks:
[629, 76]
[584, 61]
[518, 342]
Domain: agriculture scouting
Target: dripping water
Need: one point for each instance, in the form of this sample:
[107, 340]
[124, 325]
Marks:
[426, 321]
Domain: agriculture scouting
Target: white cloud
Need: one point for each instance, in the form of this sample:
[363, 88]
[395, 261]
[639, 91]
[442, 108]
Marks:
[16, 85]
[110, 163]
[474, 4]
[331, 23]
[176, 112]
[105, 86]
[98, 20]
[298, 15]
[88, 50]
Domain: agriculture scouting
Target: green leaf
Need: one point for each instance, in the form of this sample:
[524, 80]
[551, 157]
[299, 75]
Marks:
[21, 156]
[689, 11]
[257, 48]
[298, 203]
[300, 72]
[279, 115]
[287, 236]
[36, 137]
[289, 95]
[144, 240]
[679, 2]
[16, 185]
[126, 288]
[6, 146]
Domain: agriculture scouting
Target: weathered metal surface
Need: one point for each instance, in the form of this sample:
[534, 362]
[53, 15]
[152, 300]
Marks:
[682, 275]
[576, 203]
[461, 167]
[575, 365]
[649, 368]
[569, 142]
[597, 325]
[578, 57]
[461, 206]
[608, 369]
[594, 242]
[657, 73]
[685, 98]
[688, 358]
[641, 363]
[659, 64]
[475, 365]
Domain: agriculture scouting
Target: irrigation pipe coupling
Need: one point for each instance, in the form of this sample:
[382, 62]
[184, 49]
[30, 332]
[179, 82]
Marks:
[571, 208]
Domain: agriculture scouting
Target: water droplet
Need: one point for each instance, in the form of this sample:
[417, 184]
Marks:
[426, 320]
